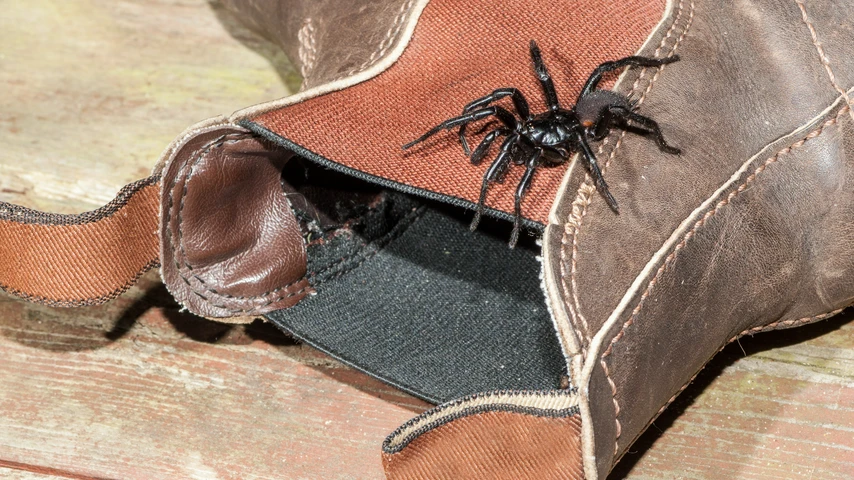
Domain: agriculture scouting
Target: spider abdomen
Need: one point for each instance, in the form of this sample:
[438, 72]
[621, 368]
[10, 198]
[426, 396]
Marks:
[590, 107]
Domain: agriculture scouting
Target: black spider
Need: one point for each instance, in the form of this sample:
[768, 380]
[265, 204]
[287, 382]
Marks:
[549, 138]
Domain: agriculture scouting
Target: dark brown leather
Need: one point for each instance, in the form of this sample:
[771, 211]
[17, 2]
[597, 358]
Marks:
[327, 40]
[230, 244]
[747, 230]
[502, 435]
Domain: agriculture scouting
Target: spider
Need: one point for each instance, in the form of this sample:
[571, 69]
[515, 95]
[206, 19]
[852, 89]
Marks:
[549, 138]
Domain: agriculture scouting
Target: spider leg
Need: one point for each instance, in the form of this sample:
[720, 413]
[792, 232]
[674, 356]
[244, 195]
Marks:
[588, 155]
[524, 185]
[633, 61]
[603, 124]
[544, 77]
[519, 103]
[494, 172]
[502, 114]
[646, 122]
[483, 148]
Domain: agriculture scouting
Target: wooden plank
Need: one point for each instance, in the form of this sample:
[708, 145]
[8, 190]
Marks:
[782, 407]
[22, 472]
[162, 394]
[94, 90]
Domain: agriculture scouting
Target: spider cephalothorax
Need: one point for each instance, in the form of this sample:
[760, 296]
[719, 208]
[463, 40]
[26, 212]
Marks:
[549, 138]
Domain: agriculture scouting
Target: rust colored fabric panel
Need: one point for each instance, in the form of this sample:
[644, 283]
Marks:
[495, 445]
[85, 259]
[460, 51]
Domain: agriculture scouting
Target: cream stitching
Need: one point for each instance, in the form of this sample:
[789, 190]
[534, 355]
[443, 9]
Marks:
[822, 56]
[182, 265]
[690, 234]
[587, 189]
[388, 40]
[575, 231]
[307, 37]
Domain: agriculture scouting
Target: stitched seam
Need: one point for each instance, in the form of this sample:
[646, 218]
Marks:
[183, 266]
[690, 234]
[479, 410]
[825, 61]
[387, 42]
[307, 52]
[587, 189]
[437, 411]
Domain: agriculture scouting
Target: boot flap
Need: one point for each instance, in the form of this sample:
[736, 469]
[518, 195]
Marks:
[329, 40]
[457, 52]
[65, 260]
[742, 232]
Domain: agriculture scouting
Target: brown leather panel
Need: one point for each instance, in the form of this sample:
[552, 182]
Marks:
[830, 28]
[773, 247]
[78, 260]
[751, 83]
[719, 115]
[327, 39]
[460, 51]
[494, 445]
[600, 395]
[231, 244]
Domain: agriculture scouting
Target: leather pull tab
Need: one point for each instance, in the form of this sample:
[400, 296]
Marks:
[83, 259]
[232, 248]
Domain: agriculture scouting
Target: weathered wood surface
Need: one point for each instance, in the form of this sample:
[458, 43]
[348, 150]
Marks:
[92, 91]
[136, 389]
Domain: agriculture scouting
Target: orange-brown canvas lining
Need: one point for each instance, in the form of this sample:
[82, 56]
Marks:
[85, 259]
[495, 445]
[460, 51]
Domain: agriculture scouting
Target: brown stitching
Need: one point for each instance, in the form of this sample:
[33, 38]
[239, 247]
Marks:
[786, 324]
[199, 154]
[585, 192]
[253, 309]
[699, 224]
[86, 302]
[821, 55]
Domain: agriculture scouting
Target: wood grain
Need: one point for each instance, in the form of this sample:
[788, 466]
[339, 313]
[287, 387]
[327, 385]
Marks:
[778, 405]
[136, 389]
[92, 91]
